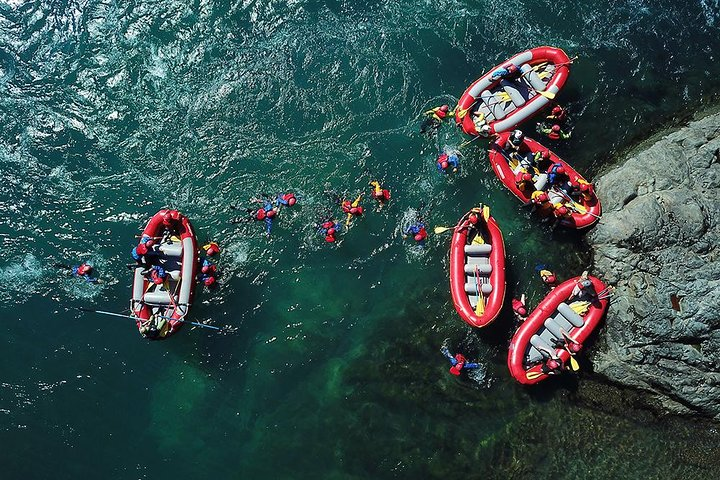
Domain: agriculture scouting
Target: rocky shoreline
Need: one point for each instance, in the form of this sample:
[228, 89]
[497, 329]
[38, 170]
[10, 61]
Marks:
[658, 243]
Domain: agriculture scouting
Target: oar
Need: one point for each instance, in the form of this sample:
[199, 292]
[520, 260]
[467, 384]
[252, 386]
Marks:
[442, 229]
[102, 312]
[468, 142]
[533, 375]
[574, 205]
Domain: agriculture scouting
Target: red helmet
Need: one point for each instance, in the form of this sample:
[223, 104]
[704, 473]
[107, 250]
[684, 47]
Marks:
[511, 68]
[166, 219]
[542, 198]
[260, 214]
[331, 231]
[526, 177]
[444, 108]
[205, 269]
[550, 279]
[444, 164]
[329, 239]
[560, 170]
[419, 237]
[562, 210]
[557, 110]
[584, 187]
[209, 281]
[555, 128]
[270, 213]
[546, 155]
[521, 311]
[553, 364]
[149, 243]
[142, 249]
[473, 218]
[574, 347]
[213, 249]
[292, 201]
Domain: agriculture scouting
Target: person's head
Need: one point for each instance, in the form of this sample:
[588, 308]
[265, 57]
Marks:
[473, 218]
[150, 243]
[511, 68]
[167, 219]
[142, 249]
[542, 198]
[516, 137]
[552, 364]
[444, 108]
[444, 164]
[526, 177]
[585, 284]
[329, 238]
[560, 170]
[205, 268]
[419, 237]
[562, 210]
[555, 128]
[260, 214]
[584, 187]
[546, 155]
[574, 347]
[522, 311]
[354, 210]
[556, 110]
[549, 278]
[485, 130]
[292, 201]
[460, 358]
[270, 213]
[209, 281]
[331, 231]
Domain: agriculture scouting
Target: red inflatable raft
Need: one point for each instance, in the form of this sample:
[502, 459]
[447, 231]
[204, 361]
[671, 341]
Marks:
[583, 205]
[545, 333]
[160, 305]
[477, 267]
[492, 104]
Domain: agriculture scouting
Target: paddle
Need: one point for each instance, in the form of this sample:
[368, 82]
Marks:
[480, 307]
[102, 312]
[533, 375]
[576, 206]
[442, 229]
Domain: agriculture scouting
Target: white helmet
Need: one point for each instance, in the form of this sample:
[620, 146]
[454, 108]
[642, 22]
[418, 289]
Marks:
[516, 137]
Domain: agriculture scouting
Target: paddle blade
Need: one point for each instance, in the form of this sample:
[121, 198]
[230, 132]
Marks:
[480, 307]
[549, 95]
[574, 365]
[442, 229]
[533, 375]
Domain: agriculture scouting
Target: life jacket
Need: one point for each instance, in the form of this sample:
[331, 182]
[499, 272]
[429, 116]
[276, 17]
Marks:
[439, 113]
[327, 225]
[270, 213]
[208, 280]
[84, 269]
[290, 199]
[421, 235]
[260, 214]
[553, 135]
[517, 305]
[211, 248]
[157, 275]
[346, 206]
[457, 368]
[329, 238]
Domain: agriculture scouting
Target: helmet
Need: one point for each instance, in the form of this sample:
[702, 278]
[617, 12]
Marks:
[585, 283]
[205, 269]
[560, 169]
[142, 249]
[546, 155]
[354, 210]
[419, 237]
[555, 128]
[444, 164]
[557, 110]
[584, 187]
[460, 358]
[444, 108]
[485, 130]
[574, 347]
[149, 243]
[516, 137]
[331, 231]
[473, 218]
[209, 281]
[526, 177]
[166, 219]
[543, 197]
[511, 68]
[270, 213]
[562, 210]
[329, 239]
[549, 279]
[260, 214]
[521, 311]
[292, 201]
[553, 364]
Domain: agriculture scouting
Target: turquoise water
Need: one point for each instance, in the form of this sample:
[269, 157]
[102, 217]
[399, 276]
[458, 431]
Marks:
[330, 367]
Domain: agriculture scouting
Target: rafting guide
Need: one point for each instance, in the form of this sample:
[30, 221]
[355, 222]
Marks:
[458, 361]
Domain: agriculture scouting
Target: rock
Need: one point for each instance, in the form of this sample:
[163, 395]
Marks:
[658, 243]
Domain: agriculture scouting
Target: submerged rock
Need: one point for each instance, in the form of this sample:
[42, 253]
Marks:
[658, 243]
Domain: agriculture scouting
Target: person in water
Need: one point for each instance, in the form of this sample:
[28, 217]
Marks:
[458, 361]
[445, 161]
[553, 131]
[417, 231]
[208, 274]
[329, 228]
[547, 276]
[83, 271]
[286, 199]
[264, 214]
[435, 117]
[211, 248]
[382, 195]
[519, 308]
[558, 115]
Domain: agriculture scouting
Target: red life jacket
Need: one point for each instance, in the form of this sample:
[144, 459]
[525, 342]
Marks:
[421, 235]
[346, 206]
[260, 214]
[440, 113]
[84, 269]
[553, 135]
[327, 224]
[156, 278]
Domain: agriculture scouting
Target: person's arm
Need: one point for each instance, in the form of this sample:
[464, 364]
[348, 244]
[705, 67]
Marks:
[471, 365]
[449, 356]
[565, 136]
